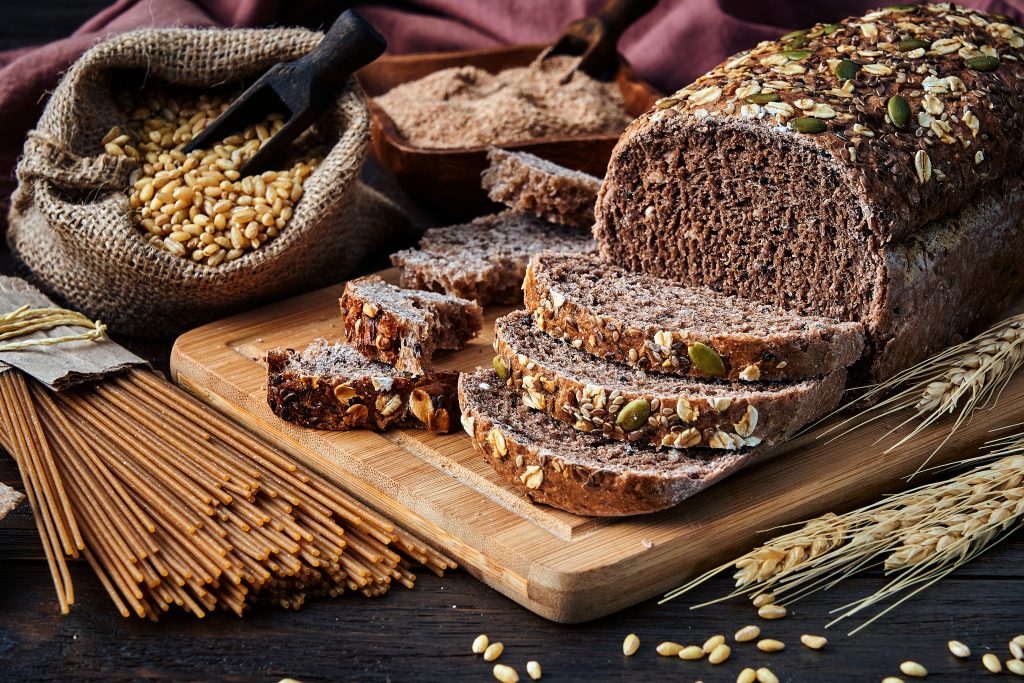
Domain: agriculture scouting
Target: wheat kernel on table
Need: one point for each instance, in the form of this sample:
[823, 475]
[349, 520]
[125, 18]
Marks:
[1019, 640]
[764, 599]
[505, 673]
[480, 644]
[691, 653]
[748, 675]
[771, 611]
[712, 642]
[630, 645]
[1016, 649]
[747, 633]
[493, 651]
[720, 654]
[668, 648]
[533, 669]
[765, 675]
[1015, 666]
[770, 645]
[958, 649]
[813, 642]
[892, 679]
[991, 662]
[912, 668]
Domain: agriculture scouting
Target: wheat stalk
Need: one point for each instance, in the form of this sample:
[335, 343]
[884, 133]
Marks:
[959, 380]
[918, 537]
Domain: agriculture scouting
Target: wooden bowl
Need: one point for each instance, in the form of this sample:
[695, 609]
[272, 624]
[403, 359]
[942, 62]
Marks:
[448, 180]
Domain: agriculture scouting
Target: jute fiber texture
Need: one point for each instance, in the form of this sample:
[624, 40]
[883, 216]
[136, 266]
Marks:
[70, 220]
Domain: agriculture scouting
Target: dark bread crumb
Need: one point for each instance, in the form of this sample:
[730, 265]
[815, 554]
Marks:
[528, 184]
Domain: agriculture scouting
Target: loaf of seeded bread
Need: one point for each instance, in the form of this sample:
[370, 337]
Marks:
[403, 327]
[584, 473]
[484, 260]
[626, 404]
[528, 184]
[661, 326]
[868, 170]
[333, 386]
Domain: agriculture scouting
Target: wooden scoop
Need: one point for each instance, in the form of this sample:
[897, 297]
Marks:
[300, 90]
[594, 39]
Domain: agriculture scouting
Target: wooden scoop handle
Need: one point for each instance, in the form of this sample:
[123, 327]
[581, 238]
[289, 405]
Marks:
[350, 44]
[618, 15]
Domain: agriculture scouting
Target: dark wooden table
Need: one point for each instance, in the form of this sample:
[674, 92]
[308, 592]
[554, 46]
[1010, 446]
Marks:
[425, 634]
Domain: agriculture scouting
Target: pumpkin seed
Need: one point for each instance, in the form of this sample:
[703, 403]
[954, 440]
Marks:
[797, 54]
[829, 29]
[899, 111]
[796, 43]
[808, 124]
[666, 103]
[846, 69]
[706, 358]
[634, 415]
[764, 98]
[499, 367]
[912, 44]
[901, 8]
[983, 63]
[795, 34]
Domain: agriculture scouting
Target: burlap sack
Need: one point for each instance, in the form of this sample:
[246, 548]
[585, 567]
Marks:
[70, 221]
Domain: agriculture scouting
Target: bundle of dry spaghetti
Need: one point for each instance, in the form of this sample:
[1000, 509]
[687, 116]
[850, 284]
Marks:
[173, 505]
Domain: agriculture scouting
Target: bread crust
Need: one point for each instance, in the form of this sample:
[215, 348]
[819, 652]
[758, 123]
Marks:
[546, 473]
[341, 403]
[818, 350]
[704, 415]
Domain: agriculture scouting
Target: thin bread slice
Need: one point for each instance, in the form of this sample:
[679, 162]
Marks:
[484, 260]
[628, 404]
[528, 184]
[9, 499]
[332, 386]
[403, 327]
[653, 324]
[584, 473]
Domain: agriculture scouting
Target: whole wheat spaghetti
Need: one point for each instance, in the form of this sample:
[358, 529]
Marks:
[175, 507]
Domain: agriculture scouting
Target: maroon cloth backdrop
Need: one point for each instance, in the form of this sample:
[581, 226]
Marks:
[675, 43]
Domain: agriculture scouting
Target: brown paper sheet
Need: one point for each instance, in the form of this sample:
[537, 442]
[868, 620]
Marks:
[61, 365]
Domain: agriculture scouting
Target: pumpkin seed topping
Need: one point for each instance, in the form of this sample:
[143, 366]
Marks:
[912, 44]
[634, 414]
[795, 34]
[706, 358]
[797, 54]
[899, 111]
[983, 63]
[829, 29]
[764, 98]
[666, 103]
[499, 367]
[846, 69]
[808, 124]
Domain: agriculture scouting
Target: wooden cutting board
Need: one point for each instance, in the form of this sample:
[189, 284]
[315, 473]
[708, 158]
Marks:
[564, 567]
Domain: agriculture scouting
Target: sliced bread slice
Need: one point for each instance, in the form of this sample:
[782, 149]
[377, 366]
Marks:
[528, 184]
[661, 326]
[584, 473]
[628, 404]
[484, 260]
[332, 386]
[403, 327]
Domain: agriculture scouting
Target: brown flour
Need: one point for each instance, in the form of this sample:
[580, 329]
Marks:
[468, 107]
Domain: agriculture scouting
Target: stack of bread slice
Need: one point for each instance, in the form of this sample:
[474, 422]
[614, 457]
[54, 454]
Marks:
[617, 393]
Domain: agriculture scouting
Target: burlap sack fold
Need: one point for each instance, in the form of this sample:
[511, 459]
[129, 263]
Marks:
[70, 221]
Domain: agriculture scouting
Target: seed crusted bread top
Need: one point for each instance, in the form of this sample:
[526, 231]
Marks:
[584, 473]
[484, 260]
[529, 184]
[628, 404]
[661, 326]
[403, 327]
[920, 105]
[333, 386]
